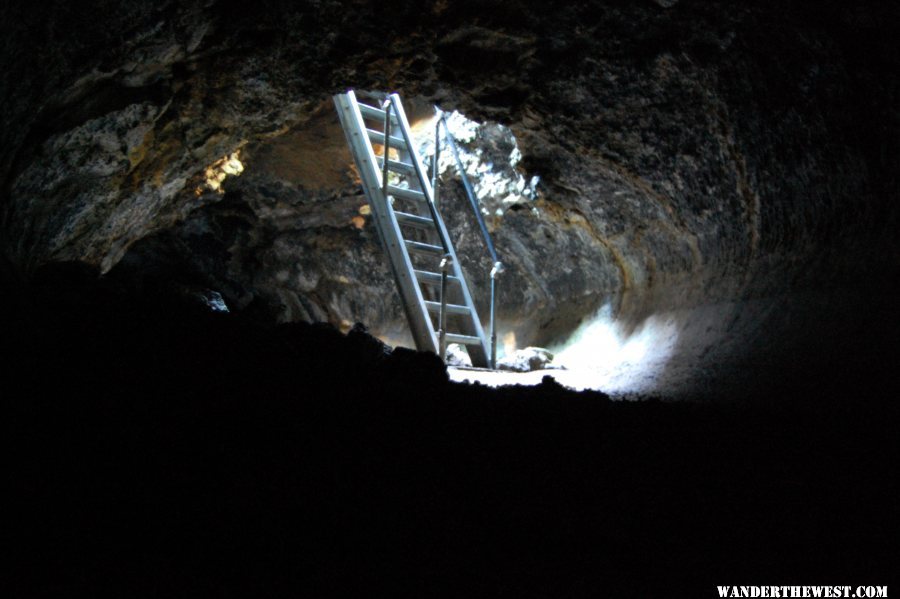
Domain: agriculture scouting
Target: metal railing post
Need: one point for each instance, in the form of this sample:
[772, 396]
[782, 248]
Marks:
[446, 263]
[496, 270]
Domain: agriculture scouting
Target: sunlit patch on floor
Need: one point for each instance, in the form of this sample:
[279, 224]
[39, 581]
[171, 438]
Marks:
[601, 356]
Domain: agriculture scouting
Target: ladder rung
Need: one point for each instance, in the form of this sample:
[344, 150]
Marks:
[464, 339]
[433, 278]
[424, 248]
[370, 112]
[406, 194]
[378, 138]
[451, 308]
[412, 220]
[397, 166]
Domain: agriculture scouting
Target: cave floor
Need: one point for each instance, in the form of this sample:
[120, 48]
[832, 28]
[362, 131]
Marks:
[623, 384]
[672, 380]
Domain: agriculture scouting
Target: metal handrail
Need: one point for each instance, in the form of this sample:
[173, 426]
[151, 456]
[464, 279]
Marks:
[470, 192]
[497, 265]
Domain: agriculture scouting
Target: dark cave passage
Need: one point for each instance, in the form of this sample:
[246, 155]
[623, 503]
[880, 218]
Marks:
[693, 200]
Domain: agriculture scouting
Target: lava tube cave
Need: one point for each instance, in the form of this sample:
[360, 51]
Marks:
[210, 381]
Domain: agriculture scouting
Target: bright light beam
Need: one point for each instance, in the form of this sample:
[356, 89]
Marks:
[600, 355]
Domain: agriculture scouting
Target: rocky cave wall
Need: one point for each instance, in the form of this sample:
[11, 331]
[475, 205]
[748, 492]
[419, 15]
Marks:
[734, 166]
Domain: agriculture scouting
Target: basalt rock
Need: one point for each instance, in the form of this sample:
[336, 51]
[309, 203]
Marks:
[693, 158]
[526, 360]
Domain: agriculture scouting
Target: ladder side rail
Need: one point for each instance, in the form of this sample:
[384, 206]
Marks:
[386, 222]
[385, 164]
[425, 185]
[435, 161]
[442, 317]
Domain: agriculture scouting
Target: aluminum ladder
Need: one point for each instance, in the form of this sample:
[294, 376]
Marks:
[432, 286]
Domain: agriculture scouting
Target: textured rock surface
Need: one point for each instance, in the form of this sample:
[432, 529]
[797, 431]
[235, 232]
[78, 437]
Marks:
[526, 360]
[732, 165]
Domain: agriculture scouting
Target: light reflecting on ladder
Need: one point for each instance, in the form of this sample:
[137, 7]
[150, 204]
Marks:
[432, 286]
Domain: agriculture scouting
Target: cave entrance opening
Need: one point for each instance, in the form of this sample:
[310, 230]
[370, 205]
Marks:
[402, 196]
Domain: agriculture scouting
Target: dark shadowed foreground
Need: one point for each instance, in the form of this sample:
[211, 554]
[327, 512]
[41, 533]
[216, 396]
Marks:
[157, 449]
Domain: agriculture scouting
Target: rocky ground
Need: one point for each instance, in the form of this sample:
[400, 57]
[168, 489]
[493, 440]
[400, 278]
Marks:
[157, 447]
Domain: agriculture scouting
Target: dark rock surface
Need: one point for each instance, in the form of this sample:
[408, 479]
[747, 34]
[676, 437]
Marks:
[157, 448]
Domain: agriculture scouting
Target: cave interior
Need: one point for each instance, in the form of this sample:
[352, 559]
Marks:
[208, 380]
